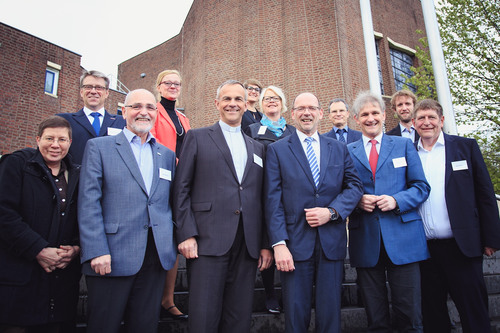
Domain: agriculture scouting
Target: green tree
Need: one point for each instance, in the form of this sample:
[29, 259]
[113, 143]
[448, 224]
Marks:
[470, 35]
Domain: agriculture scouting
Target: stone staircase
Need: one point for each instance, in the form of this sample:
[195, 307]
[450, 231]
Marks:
[353, 315]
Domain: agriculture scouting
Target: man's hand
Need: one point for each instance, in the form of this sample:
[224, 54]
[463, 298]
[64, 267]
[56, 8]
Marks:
[283, 258]
[317, 216]
[368, 202]
[49, 259]
[265, 259]
[101, 265]
[489, 251]
[67, 253]
[386, 203]
[189, 248]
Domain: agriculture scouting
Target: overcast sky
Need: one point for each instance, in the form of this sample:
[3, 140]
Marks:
[104, 32]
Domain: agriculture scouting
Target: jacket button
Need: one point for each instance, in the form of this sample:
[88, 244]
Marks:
[237, 212]
[241, 188]
[145, 226]
[317, 195]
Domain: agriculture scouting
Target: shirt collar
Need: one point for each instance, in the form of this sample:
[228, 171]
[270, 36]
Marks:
[303, 136]
[366, 139]
[88, 111]
[439, 142]
[346, 129]
[130, 136]
[404, 128]
[228, 128]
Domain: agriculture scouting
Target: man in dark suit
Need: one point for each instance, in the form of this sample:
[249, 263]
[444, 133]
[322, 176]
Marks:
[461, 224]
[92, 121]
[403, 102]
[218, 214]
[338, 113]
[125, 221]
[386, 235]
[311, 186]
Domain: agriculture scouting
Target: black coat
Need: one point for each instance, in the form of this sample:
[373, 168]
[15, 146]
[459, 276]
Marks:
[268, 137]
[30, 220]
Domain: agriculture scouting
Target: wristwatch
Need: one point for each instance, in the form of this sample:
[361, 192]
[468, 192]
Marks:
[333, 214]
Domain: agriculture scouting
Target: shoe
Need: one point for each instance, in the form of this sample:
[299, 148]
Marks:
[166, 314]
[273, 306]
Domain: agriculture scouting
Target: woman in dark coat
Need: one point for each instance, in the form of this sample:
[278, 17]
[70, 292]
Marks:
[40, 270]
[271, 128]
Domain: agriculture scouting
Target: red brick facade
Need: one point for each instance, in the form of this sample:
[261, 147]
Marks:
[23, 102]
[297, 45]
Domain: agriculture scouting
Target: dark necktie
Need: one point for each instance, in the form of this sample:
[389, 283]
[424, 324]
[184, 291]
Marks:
[96, 124]
[341, 134]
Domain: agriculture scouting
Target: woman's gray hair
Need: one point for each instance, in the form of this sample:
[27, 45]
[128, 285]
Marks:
[278, 92]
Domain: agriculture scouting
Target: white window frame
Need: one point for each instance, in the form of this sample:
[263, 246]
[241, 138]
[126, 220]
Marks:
[53, 69]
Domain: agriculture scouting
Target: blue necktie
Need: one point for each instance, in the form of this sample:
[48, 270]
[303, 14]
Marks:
[341, 135]
[313, 162]
[96, 124]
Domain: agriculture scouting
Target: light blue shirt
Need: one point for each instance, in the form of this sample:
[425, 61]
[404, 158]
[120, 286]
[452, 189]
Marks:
[346, 130]
[405, 133]
[314, 143]
[237, 147]
[143, 154]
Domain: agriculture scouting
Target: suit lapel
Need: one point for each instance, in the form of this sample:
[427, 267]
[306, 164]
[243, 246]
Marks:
[125, 151]
[82, 119]
[449, 149]
[326, 151]
[250, 153]
[297, 151]
[156, 162]
[385, 150]
[360, 154]
[106, 122]
[215, 133]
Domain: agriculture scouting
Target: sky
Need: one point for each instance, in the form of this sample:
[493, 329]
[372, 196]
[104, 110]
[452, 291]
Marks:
[104, 32]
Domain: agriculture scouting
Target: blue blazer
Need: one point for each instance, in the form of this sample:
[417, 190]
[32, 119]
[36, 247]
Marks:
[83, 131]
[114, 208]
[401, 230]
[352, 135]
[470, 198]
[289, 188]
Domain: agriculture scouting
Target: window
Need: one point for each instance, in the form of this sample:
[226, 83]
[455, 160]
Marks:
[52, 78]
[379, 68]
[401, 63]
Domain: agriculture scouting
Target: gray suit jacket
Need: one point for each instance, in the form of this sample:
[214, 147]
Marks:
[114, 209]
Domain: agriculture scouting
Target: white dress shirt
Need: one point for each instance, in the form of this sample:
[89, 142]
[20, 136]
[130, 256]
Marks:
[87, 112]
[314, 143]
[434, 211]
[237, 146]
[368, 145]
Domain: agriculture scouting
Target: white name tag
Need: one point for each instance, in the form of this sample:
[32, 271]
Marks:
[257, 160]
[459, 165]
[262, 130]
[113, 131]
[165, 174]
[399, 162]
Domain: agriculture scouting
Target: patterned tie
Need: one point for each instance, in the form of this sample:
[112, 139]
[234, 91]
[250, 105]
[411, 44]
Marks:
[373, 158]
[96, 124]
[340, 132]
[313, 162]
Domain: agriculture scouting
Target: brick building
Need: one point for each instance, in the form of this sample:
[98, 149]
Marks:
[297, 45]
[38, 79]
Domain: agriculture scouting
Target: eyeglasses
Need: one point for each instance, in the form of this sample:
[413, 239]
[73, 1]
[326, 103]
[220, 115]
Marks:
[170, 84]
[256, 89]
[52, 140]
[89, 87]
[271, 99]
[304, 108]
[139, 107]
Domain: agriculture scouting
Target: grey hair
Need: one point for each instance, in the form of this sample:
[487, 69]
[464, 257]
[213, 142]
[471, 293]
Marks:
[364, 98]
[278, 92]
[336, 100]
[230, 83]
[96, 74]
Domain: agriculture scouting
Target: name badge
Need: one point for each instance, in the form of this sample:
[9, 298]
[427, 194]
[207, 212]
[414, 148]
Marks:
[257, 160]
[399, 162]
[262, 130]
[113, 131]
[459, 165]
[165, 174]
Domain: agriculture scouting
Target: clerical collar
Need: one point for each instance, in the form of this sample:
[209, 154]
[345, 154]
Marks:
[228, 128]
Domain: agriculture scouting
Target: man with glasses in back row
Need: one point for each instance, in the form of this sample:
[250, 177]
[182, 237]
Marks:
[93, 120]
[338, 113]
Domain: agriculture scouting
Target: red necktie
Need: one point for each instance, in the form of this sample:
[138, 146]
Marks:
[373, 157]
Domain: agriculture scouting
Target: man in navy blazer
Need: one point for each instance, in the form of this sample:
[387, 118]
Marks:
[338, 113]
[305, 208]
[386, 235]
[461, 224]
[403, 103]
[125, 221]
[218, 214]
[94, 89]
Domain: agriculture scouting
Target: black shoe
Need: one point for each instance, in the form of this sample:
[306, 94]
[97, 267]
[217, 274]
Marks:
[273, 306]
[166, 314]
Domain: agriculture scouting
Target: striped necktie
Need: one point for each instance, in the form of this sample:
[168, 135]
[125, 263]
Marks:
[313, 162]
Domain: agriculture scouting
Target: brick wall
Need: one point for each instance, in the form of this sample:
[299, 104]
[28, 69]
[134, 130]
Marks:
[23, 102]
[297, 45]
